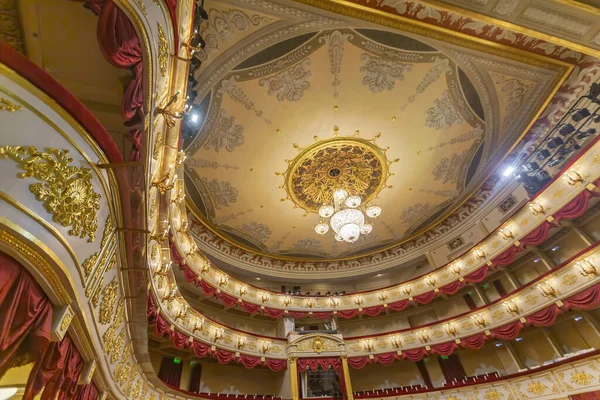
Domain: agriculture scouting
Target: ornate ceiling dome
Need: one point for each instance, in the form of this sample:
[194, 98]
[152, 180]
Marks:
[271, 133]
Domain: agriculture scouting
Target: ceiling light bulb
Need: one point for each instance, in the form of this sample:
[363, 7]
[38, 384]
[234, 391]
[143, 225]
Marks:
[350, 232]
[353, 201]
[338, 238]
[367, 228]
[340, 195]
[194, 118]
[322, 228]
[373, 211]
[326, 211]
[508, 171]
[8, 392]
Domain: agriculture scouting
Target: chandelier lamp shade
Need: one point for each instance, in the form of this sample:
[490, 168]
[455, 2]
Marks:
[346, 217]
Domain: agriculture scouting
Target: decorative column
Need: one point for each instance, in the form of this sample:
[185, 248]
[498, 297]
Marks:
[346, 372]
[294, 377]
[555, 346]
[481, 296]
[584, 236]
[511, 279]
[544, 259]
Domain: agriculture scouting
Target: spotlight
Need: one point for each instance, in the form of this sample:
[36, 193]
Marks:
[531, 166]
[194, 117]
[543, 154]
[197, 41]
[581, 114]
[555, 142]
[567, 129]
[586, 134]
[507, 172]
[594, 90]
[578, 318]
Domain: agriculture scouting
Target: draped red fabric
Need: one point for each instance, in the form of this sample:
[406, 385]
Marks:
[478, 275]
[200, 349]
[424, 374]
[43, 81]
[575, 208]
[162, 327]
[273, 312]
[172, 6]
[386, 359]
[26, 319]
[60, 370]
[474, 342]
[507, 257]
[180, 340]
[190, 275]
[135, 137]
[452, 368]
[87, 392]
[196, 378]
[227, 299]
[358, 362]
[208, 289]
[414, 354]
[248, 361]
[175, 256]
[398, 305]
[444, 349]
[251, 308]
[584, 300]
[507, 332]
[452, 287]
[224, 356]
[537, 236]
[170, 372]
[545, 317]
[347, 314]
[586, 396]
[425, 298]
[151, 308]
[321, 314]
[373, 311]
[298, 314]
[275, 365]
[324, 362]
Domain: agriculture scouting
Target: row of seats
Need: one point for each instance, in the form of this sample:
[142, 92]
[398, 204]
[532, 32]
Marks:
[468, 380]
[230, 396]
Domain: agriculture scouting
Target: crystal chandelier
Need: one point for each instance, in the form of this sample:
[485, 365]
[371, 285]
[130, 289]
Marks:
[346, 217]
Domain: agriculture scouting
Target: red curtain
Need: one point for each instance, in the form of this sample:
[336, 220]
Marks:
[26, 320]
[200, 349]
[248, 361]
[469, 300]
[224, 356]
[373, 311]
[507, 257]
[477, 276]
[180, 340]
[347, 314]
[324, 362]
[398, 305]
[358, 362]
[474, 342]
[452, 288]
[425, 298]
[386, 359]
[537, 236]
[196, 378]
[87, 392]
[451, 368]
[162, 327]
[170, 372]
[414, 354]
[444, 349]
[584, 300]
[544, 317]
[275, 365]
[508, 332]
[575, 208]
[424, 374]
[60, 370]
[586, 396]
[273, 312]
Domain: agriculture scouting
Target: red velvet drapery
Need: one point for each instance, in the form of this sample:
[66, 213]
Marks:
[323, 362]
[170, 372]
[26, 316]
[586, 396]
[451, 368]
[196, 378]
[60, 370]
[87, 392]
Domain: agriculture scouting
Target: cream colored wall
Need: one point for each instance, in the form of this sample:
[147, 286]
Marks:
[261, 326]
[17, 377]
[377, 376]
[217, 378]
[575, 335]
[482, 361]
[568, 245]
[435, 371]
[534, 349]
[529, 270]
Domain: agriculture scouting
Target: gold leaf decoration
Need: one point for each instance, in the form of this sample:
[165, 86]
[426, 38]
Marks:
[137, 387]
[157, 146]
[108, 228]
[89, 263]
[581, 378]
[492, 394]
[67, 191]
[95, 300]
[109, 298]
[536, 388]
[163, 50]
[530, 299]
[569, 280]
[6, 105]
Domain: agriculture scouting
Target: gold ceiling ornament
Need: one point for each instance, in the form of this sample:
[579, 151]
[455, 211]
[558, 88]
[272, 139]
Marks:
[318, 345]
[67, 191]
[7, 105]
[358, 165]
[163, 50]
[581, 378]
[536, 388]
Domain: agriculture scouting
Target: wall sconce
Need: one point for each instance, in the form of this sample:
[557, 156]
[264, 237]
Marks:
[198, 325]
[586, 267]
[479, 253]
[223, 280]
[455, 268]
[572, 177]
[191, 253]
[162, 235]
[310, 302]
[182, 313]
[406, 289]
[334, 302]
[218, 333]
[506, 233]
[183, 226]
[171, 293]
[396, 342]
[358, 300]
[382, 296]
[169, 115]
[204, 266]
[536, 208]
[368, 345]
[450, 329]
[161, 272]
[241, 342]
[430, 281]
[287, 300]
[478, 320]
[511, 307]
[179, 197]
[423, 336]
[180, 159]
[547, 289]
[265, 346]
[242, 290]
[167, 182]
[265, 297]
